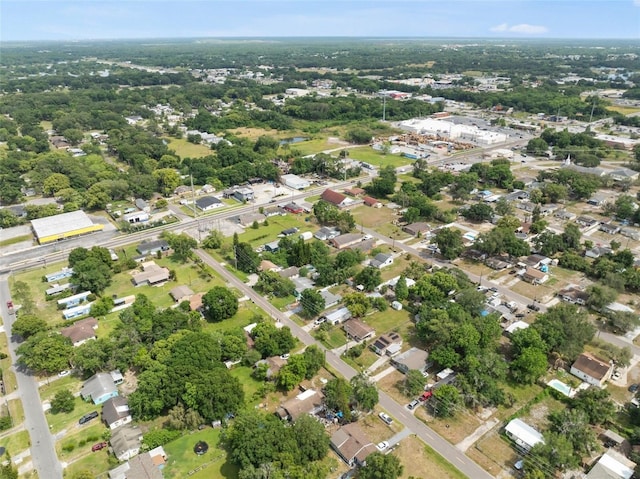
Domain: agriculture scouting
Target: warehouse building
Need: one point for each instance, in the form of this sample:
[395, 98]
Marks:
[63, 226]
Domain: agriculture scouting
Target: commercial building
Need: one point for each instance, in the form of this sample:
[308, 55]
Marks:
[448, 129]
[63, 226]
[295, 182]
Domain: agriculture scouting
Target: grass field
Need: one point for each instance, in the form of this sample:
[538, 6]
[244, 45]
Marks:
[97, 463]
[420, 460]
[625, 110]
[16, 443]
[15, 240]
[185, 149]
[183, 462]
[373, 157]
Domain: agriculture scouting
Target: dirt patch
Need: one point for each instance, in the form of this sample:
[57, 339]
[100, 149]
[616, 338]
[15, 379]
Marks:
[494, 455]
[421, 462]
[130, 383]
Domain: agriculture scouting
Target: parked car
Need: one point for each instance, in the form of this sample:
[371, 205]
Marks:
[533, 307]
[426, 395]
[413, 404]
[493, 289]
[634, 388]
[285, 356]
[88, 417]
[319, 321]
[520, 315]
[98, 447]
[385, 418]
[64, 373]
[381, 446]
[616, 375]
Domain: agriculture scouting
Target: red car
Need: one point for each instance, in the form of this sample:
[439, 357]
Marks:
[99, 446]
[425, 395]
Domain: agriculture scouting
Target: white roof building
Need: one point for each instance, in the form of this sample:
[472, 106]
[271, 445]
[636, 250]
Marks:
[522, 434]
[62, 226]
[612, 465]
[294, 181]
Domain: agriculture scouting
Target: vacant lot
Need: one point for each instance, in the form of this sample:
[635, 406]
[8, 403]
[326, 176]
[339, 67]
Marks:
[419, 460]
[373, 157]
[493, 453]
[183, 462]
[185, 149]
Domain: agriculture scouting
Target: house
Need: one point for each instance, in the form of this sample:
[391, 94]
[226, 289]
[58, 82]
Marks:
[335, 198]
[526, 206]
[624, 174]
[524, 436]
[74, 300]
[330, 299]
[358, 330]
[244, 194]
[414, 358]
[417, 229]
[474, 254]
[307, 402]
[591, 369]
[294, 181]
[586, 221]
[151, 274]
[208, 203]
[57, 289]
[616, 307]
[354, 191]
[289, 231]
[389, 344]
[352, 444]
[534, 276]
[612, 465]
[537, 260]
[290, 273]
[609, 228]
[301, 284]
[632, 233]
[126, 441]
[249, 218]
[81, 331]
[181, 190]
[326, 233]
[598, 251]
[136, 217]
[365, 246]
[142, 205]
[80, 310]
[63, 273]
[293, 208]
[381, 260]
[574, 295]
[274, 364]
[564, 215]
[99, 388]
[598, 199]
[115, 412]
[273, 246]
[369, 201]
[266, 265]
[345, 241]
[152, 247]
[497, 264]
[195, 302]
[117, 376]
[181, 293]
[273, 211]
[517, 195]
[337, 316]
[516, 326]
[143, 466]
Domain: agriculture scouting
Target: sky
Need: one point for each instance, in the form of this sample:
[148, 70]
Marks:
[28, 20]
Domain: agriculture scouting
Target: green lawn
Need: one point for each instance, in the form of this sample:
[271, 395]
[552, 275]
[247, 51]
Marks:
[82, 439]
[442, 463]
[16, 443]
[186, 149]
[8, 375]
[371, 156]
[97, 463]
[334, 338]
[266, 234]
[16, 239]
[182, 461]
[247, 313]
[249, 385]
[385, 321]
[69, 421]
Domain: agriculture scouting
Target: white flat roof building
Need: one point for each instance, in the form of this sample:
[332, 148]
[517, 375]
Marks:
[65, 225]
[294, 181]
[448, 129]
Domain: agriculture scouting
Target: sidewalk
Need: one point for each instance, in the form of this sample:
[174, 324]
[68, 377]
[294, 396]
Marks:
[384, 373]
[468, 441]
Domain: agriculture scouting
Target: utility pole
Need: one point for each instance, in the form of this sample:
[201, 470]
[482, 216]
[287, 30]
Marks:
[384, 105]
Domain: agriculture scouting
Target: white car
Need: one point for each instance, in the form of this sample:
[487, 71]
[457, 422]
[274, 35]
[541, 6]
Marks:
[285, 356]
[385, 417]
[64, 373]
[382, 445]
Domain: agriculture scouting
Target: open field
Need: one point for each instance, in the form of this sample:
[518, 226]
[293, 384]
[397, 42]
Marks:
[182, 461]
[185, 149]
[493, 453]
[96, 463]
[16, 443]
[420, 460]
[376, 158]
[81, 439]
[625, 110]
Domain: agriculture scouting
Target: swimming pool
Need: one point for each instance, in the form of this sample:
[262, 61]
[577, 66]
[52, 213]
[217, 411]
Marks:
[561, 387]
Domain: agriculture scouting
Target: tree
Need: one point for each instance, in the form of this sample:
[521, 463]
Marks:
[46, 353]
[314, 359]
[413, 383]
[92, 275]
[312, 303]
[63, 401]
[599, 296]
[381, 466]
[338, 393]
[311, 439]
[401, 290]
[270, 282]
[246, 258]
[357, 303]
[574, 425]
[365, 392]
[168, 180]
[447, 400]
[28, 325]
[503, 207]
[449, 243]
[529, 365]
[219, 303]
[564, 329]
[54, 183]
[596, 403]
[213, 240]
[478, 212]
[182, 245]
[369, 277]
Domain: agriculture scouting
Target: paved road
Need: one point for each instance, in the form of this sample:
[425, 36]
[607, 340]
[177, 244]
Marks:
[437, 442]
[43, 453]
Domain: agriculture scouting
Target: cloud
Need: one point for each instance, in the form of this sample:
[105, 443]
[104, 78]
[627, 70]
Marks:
[523, 28]
[636, 3]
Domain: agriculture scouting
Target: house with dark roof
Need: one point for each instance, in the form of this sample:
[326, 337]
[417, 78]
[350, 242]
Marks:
[357, 330]
[152, 247]
[388, 344]
[352, 444]
[208, 203]
[115, 412]
[143, 466]
[99, 388]
[181, 293]
[335, 198]
[354, 191]
[591, 369]
[81, 331]
[415, 229]
[574, 295]
[381, 260]
[293, 208]
[586, 221]
[598, 251]
[534, 276]
[610, 228]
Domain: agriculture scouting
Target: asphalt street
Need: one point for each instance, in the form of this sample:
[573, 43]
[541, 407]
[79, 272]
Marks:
[399, 412]
[43, 452]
